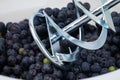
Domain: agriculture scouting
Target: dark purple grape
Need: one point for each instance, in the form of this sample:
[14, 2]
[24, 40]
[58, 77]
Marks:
[57, 74]
[111, 61]
[32, 66]
[31, 53]
[32, 73]
[64, 9]
[39, 76]
[23, 34]
[81, 76]
[39, 57]
[117, 56]
[106, 54]
[114, 48]
[19, 58]
[70, 76]
[109, 40]
[88, 36]
[99, 53]
[47, 68]
[15, 28]
[16, 37]
[117, 30]
[70, 6]
[90, 29]
[2, 60]
[116, 21]
[9, 43]
[104, 70]
[96, 68]
[57, 79]
[2, 45]
[42, 30]
[42, 20]
[64, 44]
[104, 62]
[17, 70]
[34, 46]
[68, 21]
[7, 70]
[48, 77]
[55, 12]
[49, 11]
[85, 67]
[11, 52]
[61, 25]
[3, 29]
[118, 63]
[116, 40]
[86, 5]
[25, 63]
[36, 21]
[84, 53]
[62, 16]
[27, 46]
[24, 41]
[31, 59]
[8, 35]
[25, 52]
[29, 39]
[24, 74]
[38, 66]
[113, 14]
[78, 61]
[8, 25]
[24, 25]
[28, 77]
[71, 14]
[12, 60]
[76, 69]
[91, 58]
[17, 46]
[46, 43]
[107, 47]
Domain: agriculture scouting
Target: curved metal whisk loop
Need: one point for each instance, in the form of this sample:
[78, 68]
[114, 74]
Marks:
[59, 58]
[87, 45]
[39, 42]
[102, 38]
[55, 57]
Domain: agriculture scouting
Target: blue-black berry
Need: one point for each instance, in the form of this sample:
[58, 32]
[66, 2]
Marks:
[85, 67]
[96, 68]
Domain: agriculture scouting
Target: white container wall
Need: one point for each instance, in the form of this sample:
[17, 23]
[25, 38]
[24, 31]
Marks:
[17, 10]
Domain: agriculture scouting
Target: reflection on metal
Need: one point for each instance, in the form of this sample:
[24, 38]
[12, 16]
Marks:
[59, 58]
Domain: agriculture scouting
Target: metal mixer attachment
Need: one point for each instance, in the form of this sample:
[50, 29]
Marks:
[61, 59]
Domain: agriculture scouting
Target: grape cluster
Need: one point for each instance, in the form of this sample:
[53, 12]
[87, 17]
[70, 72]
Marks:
[21, 58]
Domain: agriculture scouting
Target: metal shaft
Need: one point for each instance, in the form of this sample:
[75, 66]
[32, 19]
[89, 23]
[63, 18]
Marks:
[84, 19]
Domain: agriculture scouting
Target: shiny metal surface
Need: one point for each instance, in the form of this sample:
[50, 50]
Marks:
[107, 17]
[87, 45]
[84, 19]
[39, 42]
[59, 58]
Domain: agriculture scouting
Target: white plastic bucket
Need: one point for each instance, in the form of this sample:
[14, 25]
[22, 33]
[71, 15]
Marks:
[17, 10]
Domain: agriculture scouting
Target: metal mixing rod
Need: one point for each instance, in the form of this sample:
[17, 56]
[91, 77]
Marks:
[84, 19]
[59, 58]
